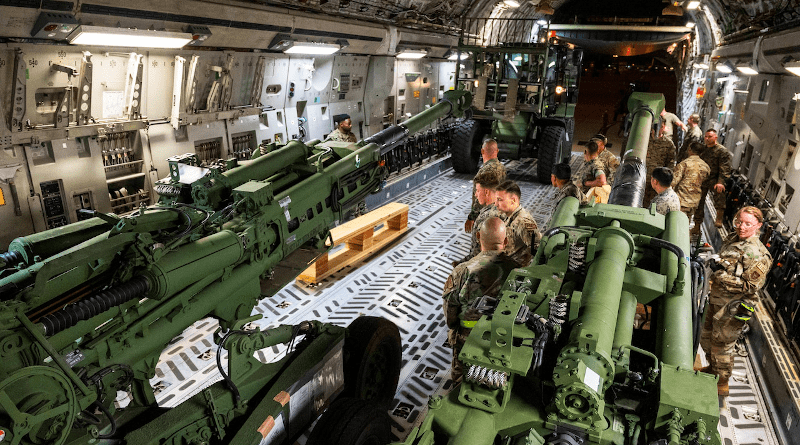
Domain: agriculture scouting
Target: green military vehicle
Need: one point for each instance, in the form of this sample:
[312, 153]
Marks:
[525, 87]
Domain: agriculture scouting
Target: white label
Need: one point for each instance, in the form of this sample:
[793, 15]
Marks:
[592, 380]
[113, 104]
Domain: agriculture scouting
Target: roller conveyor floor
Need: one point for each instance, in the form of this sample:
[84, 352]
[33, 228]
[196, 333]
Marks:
[403, 284]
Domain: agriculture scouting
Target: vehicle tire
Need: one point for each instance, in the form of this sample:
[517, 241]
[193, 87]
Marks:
[350, 421]
[550, 152]
[372, 359]
[466, 147]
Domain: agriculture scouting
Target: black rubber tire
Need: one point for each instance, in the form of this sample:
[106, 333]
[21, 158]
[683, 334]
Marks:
[550, 151]
[466, 147]
[350, 421]
[372, 359]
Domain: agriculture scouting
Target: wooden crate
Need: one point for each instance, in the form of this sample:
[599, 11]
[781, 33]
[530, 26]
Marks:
[360, 240]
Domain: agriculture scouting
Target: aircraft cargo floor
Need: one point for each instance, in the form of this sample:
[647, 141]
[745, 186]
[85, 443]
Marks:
[403, 283]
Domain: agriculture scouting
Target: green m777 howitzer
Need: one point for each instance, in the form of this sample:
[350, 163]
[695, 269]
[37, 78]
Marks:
[559, 357]
[86, 309]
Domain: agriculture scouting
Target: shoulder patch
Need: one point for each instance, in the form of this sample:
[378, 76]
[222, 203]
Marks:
[758, 270]
[530, 226]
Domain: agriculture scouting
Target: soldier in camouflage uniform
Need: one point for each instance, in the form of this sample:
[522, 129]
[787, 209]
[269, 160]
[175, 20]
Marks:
[660, 153]
[688, 178]
[592, 172]
[486, 193]
[666, 200]
[491, 167]
[693, 134]
[738, 275]
[610, 162]
[482, 275]
[718, 159]
[523, 234]
[342, 131]
[668, 123]
[560, 178]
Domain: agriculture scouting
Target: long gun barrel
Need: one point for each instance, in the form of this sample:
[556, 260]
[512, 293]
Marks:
[87, 309]
[629, 185]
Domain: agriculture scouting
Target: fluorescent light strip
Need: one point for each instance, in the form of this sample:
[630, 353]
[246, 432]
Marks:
[454, 56]
[693, 5]
[316, 49]
[792, 67]
[132, 38]
[747, 70]
[412, 54]
[724, 69]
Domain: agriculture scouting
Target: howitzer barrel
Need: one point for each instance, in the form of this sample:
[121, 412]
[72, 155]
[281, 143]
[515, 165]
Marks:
[629, 184]
[50, 242]
[455, 102]
[210, 191]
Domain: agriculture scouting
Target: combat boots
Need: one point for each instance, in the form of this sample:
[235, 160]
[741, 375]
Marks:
[722, 386]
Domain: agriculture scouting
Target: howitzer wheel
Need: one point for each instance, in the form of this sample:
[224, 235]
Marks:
[351, 421]
[551, 147]
[37, 406]
[372, 359]
[466, 147]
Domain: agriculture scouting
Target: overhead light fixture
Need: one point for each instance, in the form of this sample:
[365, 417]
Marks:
[511, 3]
[541, 22]
[312, 48]
[701, 66]
[724, 67]
[746, 69]
[792, 66]
[199, 34]
[544, 8]
[693, 5]
[54, 25]
[673, 9]
[453, 55]
[690, 24]
[128, 37]
[285, 43]
[412, 54]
